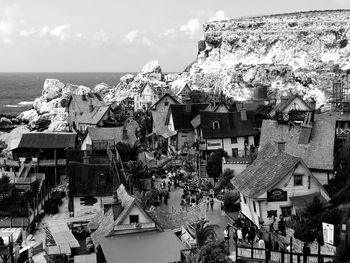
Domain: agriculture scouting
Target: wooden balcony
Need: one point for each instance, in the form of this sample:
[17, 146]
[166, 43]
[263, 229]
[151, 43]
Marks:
[134, 226]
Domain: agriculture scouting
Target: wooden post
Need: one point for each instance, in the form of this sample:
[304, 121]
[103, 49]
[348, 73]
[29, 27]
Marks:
[319, 252]
[298, 258]
[252, 250]
[236, 241]
[282, 256]
[291, 250]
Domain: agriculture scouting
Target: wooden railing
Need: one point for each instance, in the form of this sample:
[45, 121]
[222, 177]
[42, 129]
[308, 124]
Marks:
[343, 132]
[134, 226]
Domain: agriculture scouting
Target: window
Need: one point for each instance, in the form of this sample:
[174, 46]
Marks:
[308, 182]
[134, 219]
[166, 103]
[254, 206]
[298, 179]
[234, 152]
[286, 211]
[245, 200]
[216, 125]
[233, 140]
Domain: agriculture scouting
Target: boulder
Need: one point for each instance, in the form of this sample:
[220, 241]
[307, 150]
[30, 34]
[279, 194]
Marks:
[52, 89]
[30, 115]
[152, 70]
[127, 78]
[101, 88]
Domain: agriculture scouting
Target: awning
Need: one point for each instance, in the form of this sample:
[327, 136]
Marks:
[300, 202]
[169, 134]
[154, 246]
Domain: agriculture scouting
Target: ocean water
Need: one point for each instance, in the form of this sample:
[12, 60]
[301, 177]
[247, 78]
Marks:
[18, 90]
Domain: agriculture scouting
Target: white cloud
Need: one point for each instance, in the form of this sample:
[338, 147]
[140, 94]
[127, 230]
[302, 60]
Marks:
[101, 36]
[191, 27]
[146, 41]
[219, 15]
[132, 35]
[11, 18]
[28, 33]
[169, 33]
[60, 32]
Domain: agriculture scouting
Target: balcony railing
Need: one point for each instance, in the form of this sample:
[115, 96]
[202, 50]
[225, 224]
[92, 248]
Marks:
[134, 226]
[343, 132]
[60, 162]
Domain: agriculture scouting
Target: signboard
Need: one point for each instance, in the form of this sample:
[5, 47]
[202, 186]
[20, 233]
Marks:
[328, 233]
[271, 213]
[214, 144]
[276, 195]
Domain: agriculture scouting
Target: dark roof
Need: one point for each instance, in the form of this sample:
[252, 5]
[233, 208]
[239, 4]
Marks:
[52, 140]
[93, 117]
[182, 118]
[284, 103]
[165, 95]
[269, 168]
[83, 101]
[231, 124]
[147, 247]
[318, 153]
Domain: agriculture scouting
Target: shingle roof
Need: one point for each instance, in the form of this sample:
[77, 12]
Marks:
[231, 124]
[93, 117]
[182, 118]
[164, 96]
[270, 167]
[283, 104]
[318, 153]
[52, 140]
[82, 102]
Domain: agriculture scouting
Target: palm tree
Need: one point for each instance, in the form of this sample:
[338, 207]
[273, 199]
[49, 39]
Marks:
[136, 171]
[204, 232]
[130, 152]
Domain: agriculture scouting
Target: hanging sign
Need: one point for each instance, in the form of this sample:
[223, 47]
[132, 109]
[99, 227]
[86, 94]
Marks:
[276, 195]
[328, 233]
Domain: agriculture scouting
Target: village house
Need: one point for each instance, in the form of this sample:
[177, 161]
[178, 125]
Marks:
[79, 104]
[181, 131]
[292, 108]
[182, 93]
[159, 112]
[147, 96]
[277, 184]
[235, 132]
[313, 141]
[123, 228]
[102, 138]
[45, 150]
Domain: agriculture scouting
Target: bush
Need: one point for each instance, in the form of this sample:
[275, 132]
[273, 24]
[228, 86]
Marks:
[225, 180]
[230, 200]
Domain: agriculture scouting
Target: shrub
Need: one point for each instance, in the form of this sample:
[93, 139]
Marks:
[225, 180]
[230, 200]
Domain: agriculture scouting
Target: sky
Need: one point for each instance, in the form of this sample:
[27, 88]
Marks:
[119, 35]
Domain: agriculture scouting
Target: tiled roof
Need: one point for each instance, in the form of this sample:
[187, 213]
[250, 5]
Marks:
[270, 167]
[182, 118]
[93, 117]
[318, 153]
[82, 102]
[231, 124]
[49, 140]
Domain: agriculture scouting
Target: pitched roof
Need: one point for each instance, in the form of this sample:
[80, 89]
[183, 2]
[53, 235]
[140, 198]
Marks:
[231, 124]
[49, 140]
[182, 118]
[93, 117]
[163, 97]
[184, 86]
[221, 103]
[115, 133]
[82, 102]
[284, 103]
[269, 168]
[318, 153]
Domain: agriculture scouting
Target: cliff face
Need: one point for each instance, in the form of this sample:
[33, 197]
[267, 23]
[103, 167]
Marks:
[296, 52]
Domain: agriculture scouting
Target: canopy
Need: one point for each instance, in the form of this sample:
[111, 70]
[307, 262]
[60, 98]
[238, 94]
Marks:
[169, 134]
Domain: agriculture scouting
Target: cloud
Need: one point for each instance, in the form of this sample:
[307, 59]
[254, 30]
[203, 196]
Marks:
[169, 33]
[219, 15]
[191, 27]
[101, 36]
[132, 35]
[28, 33]
[146, 41]
[11, 19]
[60, 32]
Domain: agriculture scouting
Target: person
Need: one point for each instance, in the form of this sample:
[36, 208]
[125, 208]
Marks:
[211, 193]
[244, 231]
[166, 197]
[211, 204]
[251, 235]
[261, 245]
[169, 185]
[208, 204]
[226, 234]
[183, 203]
[239, 236]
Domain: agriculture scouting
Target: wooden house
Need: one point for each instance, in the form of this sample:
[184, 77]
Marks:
[147, 96]
[80, 104]
[276, 184]
[96, 117]
[124, 232]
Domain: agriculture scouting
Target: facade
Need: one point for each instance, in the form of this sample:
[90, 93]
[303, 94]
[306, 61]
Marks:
[234, 132]
[146, 98]
[79, 104]
[276, 185]
[181, 132]
[183, 93]
[312, 141]
[124, 227]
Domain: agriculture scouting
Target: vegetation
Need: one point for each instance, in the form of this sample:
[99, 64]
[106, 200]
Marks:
[213, 252]
[198, 96]
[129, 152]
[135, 172]
[214, 168]
[4, 184]
[42, 124]
[224, 180]
[205, 232]
[230, 200]
[145, 122]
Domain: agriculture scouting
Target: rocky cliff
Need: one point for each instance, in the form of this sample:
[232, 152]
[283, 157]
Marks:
[297, 52]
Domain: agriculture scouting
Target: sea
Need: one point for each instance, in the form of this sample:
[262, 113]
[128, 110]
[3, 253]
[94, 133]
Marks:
[19, 90]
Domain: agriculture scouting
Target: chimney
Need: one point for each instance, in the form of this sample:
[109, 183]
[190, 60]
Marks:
[91, 107]
[188, 105]
[244, 114]
[281, 145]
[86, 157]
